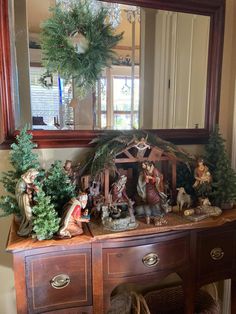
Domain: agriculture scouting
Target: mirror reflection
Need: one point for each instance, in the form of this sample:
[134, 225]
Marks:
[158, 80]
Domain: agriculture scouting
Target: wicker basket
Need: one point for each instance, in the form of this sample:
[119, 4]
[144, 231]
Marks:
[128, 303]
[120, 304]
[171, 301]
[139, 304]
[163, 301]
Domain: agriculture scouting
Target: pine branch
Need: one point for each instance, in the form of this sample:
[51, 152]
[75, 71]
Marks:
[111, 143]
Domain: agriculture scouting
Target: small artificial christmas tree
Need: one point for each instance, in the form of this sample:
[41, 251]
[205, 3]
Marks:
[21, 158]
[8, 206]
[58, 186]
[214, 149]
[223, 176]
[45, 221]
[185, 177]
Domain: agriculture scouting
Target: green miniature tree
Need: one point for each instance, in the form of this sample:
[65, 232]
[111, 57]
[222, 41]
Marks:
[21, 158]
[8, 206]
[45, 221]
[185, 177]
[223, 176]
[214, 149]
[58, 186]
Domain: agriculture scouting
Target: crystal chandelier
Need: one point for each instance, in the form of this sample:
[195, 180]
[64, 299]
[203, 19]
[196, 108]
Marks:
[114, 13]
[132, 13]
[114, 10]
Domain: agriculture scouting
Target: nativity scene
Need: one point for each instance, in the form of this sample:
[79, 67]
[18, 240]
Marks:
[137, 181]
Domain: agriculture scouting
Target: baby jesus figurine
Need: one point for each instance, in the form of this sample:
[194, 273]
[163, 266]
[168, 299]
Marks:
[72, 219]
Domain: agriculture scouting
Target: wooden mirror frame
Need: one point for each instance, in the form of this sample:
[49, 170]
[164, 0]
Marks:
[213, 8]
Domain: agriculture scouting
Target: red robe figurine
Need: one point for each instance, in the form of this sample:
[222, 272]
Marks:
[72, 218]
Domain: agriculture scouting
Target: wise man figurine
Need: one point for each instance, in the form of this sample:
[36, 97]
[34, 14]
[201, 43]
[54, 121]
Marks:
[71, 223]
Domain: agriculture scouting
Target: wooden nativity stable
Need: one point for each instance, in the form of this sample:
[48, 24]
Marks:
[128, 162]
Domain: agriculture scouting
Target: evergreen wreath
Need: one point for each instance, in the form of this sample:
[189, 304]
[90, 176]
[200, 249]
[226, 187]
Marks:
[77, 43]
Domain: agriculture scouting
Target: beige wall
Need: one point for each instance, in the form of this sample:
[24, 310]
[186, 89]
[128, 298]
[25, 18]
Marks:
[7, 303]
[7, 294]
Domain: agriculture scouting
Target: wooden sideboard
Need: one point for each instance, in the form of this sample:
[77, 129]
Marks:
[78, 275]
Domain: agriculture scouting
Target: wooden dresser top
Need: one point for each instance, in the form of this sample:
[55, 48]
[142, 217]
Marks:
[96, 232]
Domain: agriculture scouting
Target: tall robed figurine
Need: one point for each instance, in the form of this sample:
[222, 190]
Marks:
[150, 189]
[25, 189]
[71, 223]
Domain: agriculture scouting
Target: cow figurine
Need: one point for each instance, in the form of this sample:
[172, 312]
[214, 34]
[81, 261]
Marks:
[183, 199]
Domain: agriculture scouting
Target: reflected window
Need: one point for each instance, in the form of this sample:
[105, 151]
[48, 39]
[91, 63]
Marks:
[101, 104]
[48, 103]
[44, 101]
[125, 103]
[117, 100]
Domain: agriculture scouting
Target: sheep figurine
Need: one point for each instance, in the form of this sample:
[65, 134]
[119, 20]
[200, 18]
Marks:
[205, 202]
[183, 199]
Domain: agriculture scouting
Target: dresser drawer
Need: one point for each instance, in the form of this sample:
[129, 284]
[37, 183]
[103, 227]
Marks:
[216, 253]
[142, 259]
[59, 280]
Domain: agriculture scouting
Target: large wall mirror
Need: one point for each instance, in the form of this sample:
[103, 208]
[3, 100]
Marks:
[166, 77]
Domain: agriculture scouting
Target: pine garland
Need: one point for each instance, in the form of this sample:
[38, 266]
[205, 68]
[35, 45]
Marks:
[111, 143]
[59, 52]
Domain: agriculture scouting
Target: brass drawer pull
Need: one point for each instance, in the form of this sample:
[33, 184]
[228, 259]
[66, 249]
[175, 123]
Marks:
[60, 281]
[217, 253]
[151, 260]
